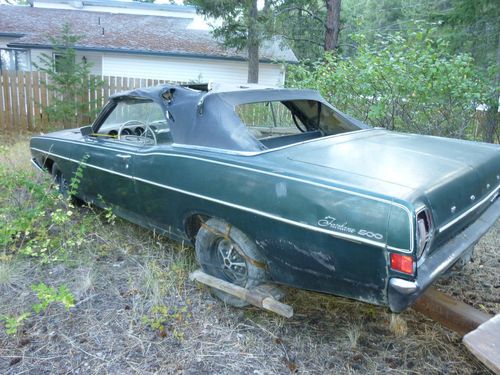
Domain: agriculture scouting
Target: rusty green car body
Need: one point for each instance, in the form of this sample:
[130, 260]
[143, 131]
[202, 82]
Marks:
[340, 207]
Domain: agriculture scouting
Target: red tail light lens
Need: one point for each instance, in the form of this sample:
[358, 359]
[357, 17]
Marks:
[402, 263]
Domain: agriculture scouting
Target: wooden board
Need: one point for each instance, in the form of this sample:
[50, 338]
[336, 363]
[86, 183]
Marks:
[262, 297]
[484, 343]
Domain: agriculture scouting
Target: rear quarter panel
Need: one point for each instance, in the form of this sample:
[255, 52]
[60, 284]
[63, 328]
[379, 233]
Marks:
[281, 213]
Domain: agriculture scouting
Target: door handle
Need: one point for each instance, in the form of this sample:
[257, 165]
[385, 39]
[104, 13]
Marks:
[124, 156]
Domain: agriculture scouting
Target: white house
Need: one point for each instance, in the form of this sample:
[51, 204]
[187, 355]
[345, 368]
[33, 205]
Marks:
[132, 39]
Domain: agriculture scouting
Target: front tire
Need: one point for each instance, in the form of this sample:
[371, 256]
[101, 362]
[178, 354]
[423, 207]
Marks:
[225, 252]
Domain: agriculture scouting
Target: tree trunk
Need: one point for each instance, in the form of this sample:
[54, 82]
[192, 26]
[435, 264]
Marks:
[492, 116]
[253, 44]
[332, 25]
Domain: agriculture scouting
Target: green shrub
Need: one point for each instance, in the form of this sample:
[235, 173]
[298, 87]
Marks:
[39, 222]
[405, 82]
[13, 323]
[48, 295]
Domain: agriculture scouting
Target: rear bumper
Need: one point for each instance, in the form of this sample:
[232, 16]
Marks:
[403, 293]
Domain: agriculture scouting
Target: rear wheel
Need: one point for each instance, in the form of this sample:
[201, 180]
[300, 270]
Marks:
[225, 252]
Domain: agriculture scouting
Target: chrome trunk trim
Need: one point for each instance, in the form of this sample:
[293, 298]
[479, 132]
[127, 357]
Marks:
[491, 196]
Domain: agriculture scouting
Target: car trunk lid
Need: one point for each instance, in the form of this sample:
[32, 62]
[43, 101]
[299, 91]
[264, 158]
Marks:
[452, 175]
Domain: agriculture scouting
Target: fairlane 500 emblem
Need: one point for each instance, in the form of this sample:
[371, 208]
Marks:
[330, 222]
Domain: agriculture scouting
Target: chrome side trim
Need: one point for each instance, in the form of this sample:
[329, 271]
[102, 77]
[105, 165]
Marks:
[256, 153]
[473, 208]
[386, 201]
[403, 286]
[233, 205]
[397, 249]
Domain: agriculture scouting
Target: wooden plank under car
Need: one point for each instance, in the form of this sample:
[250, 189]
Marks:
[484, 343]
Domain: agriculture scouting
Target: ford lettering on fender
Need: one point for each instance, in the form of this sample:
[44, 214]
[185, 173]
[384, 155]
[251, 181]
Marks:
[277, 185]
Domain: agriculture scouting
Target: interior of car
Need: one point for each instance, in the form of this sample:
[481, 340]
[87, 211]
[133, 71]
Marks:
[281, 123]
[275, 124]
[136, 121]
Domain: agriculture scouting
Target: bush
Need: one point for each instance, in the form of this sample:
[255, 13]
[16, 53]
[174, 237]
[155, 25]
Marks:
[405, 82]
[69, 81]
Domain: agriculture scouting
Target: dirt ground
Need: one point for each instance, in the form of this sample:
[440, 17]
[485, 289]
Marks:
[136, 312]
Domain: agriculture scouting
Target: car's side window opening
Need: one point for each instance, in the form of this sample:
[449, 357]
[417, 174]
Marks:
[138, 121]
[267, 119]
[279, 123]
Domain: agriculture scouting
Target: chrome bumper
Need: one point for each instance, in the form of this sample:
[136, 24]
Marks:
[402, 293]
[33, 161]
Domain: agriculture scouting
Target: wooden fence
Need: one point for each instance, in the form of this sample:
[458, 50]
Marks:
[24, 95]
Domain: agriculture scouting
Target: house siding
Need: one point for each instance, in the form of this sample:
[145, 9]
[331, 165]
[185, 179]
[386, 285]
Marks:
[4, 40]
[94, 58]
[188, 69]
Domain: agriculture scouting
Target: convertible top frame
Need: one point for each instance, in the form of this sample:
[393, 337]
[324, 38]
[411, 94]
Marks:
[214, 123]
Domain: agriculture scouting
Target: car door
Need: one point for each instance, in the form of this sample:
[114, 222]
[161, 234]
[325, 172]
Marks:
[154, 172]
[106, 172]
[108, 155]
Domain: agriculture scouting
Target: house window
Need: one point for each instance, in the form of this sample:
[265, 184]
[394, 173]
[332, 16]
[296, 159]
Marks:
[14, 59]
[61, 62]
[58, 62]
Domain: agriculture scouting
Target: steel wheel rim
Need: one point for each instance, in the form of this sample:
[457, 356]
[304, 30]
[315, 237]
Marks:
[232, 264]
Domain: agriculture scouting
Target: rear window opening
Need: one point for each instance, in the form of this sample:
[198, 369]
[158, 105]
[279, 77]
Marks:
[423, 231]
[280, 123]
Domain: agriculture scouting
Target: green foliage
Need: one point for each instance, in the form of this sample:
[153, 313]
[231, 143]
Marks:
[405, 82]
[233, 31]
[242, 26]
[466, 26]
[165, 319]
[301, 23]
[77, 177]
[13, 323]
[69, 80]
[48, 295]
[37, 221]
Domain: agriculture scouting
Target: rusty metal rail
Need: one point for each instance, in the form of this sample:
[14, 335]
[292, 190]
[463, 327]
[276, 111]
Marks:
[481, 331]
[453, 314]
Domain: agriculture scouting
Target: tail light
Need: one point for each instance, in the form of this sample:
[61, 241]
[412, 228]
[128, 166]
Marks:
[402, 263]
[424, 227]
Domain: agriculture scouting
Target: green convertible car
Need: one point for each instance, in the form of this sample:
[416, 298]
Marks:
[277, 185]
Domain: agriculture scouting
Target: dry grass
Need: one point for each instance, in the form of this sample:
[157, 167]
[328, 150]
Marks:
[123, 272]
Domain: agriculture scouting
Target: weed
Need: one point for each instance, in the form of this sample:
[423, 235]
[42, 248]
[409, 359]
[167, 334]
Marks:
[13, 323]
[109, 215]
[153, 282]
[77, 177]
[7, 272]
[47, 295]
[353, 332]
[166, 319]
[398, 325]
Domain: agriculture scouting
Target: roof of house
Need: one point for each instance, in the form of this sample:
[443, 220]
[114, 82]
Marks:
[123, 33]
[120, 4]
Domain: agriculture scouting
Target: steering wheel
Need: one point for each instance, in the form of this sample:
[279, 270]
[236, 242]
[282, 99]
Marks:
[143, 138]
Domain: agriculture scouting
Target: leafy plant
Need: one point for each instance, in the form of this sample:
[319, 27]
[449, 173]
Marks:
[48, 295]
[39, 222]
[13, 323]
[405, 82]
[164, 319]
[77, 177]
